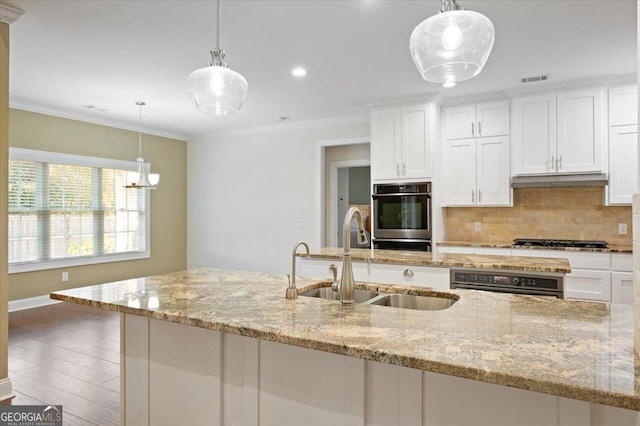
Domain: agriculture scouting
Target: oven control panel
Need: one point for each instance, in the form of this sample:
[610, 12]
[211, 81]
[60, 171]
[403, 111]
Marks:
[507, 280]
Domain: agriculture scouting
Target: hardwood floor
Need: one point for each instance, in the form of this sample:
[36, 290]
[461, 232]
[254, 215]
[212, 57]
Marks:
[67, 354]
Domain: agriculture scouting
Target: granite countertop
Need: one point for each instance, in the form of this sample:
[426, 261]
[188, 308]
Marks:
[578, 350]
[423, 258]
[509, 245]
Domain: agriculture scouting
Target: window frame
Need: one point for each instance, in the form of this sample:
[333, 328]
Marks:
[22, 154]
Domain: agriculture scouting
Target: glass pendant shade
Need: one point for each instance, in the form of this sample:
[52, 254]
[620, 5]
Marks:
[452, 46]
[217, 90]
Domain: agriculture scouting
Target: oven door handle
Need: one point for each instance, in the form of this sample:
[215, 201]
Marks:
[403, 194]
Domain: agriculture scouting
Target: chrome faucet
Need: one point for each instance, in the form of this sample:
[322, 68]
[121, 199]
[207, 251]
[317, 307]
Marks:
[292, 292]
[346, 285]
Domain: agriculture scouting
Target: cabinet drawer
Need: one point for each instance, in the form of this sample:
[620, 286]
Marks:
[622, 262]
[578, 260]
[421, 276]
[588, 285]
[476, 250]
[319, 268]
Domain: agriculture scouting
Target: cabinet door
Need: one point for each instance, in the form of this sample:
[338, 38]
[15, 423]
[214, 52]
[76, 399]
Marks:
[386, 137]
[493, 171]
[419, 276]
[623, 106]
[459, 172]
[588, 285]
[492, 119]
[460, 122]
[580, 131]
[622, 288]
[623, 164]
[416, 144]
[534, 134]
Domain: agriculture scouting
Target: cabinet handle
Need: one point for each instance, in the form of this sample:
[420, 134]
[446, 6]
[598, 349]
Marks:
[408, 273]
[404, 169]
[553, 162]
[472, 133]
[473, 196]
[398, 169]
[479, 128]
[479, 196]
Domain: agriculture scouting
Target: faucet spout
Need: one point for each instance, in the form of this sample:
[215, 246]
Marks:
[347, 281]
[292, 291]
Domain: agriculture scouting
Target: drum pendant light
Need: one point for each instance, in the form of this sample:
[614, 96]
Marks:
[217, 89]
[453, 45]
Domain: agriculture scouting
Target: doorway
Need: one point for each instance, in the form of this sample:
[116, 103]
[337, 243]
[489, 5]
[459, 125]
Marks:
[353, 188]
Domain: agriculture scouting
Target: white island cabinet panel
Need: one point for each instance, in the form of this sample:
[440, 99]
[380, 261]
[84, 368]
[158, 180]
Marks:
[394, 395]
[196, 390]
[307, 387]
[241, 370]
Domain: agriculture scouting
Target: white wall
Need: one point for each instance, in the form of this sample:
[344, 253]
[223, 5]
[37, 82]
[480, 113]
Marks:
[247, 193]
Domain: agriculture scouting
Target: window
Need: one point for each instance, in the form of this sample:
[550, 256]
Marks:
[68, 210]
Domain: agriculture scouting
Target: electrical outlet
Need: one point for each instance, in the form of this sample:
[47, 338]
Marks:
[477, 226]
[622, 228]
[65, 276]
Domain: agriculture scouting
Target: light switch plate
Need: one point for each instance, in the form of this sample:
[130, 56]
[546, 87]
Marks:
[622, 228]
[477, 226]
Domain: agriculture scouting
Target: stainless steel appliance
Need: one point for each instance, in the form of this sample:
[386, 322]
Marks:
[402, 216]
[533, 242]
[508, 282]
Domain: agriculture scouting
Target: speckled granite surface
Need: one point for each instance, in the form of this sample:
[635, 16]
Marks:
[509, 244]
[573, 349]
[421, 258]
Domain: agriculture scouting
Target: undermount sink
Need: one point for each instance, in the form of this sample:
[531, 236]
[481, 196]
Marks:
[359, 296]
[409, 301]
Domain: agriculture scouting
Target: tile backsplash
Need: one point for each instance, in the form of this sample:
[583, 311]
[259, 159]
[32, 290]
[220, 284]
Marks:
[556, 213]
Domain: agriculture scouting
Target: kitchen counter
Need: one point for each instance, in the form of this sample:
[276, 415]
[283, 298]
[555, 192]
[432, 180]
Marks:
[571, 349]
[421, 258]
[510, 245]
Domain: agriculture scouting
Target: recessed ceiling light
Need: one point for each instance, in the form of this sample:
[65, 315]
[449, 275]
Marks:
[299, 72]
[282, 118]
[88, 106]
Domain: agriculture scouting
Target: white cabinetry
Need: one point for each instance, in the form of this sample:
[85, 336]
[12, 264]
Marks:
[401, 142]
[497, 251]
[420, 276]
[319, 268]
[476, 155]
[474, 121]
[559, 133]
[622, 278]
[623, 145]
[476, 172]
[590, 277]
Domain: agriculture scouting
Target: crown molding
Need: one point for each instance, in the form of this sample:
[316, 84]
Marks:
[405, 100]
[336, 121]
[9, 15]
[86, 118]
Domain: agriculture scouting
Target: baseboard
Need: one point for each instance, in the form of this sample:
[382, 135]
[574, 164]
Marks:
[30, 302]
[6, 391]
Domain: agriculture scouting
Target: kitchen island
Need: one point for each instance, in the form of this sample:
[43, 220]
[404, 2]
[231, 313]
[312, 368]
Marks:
[225, 347]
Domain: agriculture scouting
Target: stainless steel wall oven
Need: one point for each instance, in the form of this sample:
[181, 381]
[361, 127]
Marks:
[402, 216]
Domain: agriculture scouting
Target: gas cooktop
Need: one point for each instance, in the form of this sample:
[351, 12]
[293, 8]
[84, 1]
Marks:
[559, 243]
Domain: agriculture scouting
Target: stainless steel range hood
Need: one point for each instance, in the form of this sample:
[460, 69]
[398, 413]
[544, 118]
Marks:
[591, 179]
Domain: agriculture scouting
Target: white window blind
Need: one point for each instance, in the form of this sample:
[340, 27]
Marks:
[67, 210]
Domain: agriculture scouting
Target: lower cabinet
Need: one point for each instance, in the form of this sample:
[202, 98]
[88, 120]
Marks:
[588, 284]
[174, 374]
[319, 268]
[420, 276]
[622, 288]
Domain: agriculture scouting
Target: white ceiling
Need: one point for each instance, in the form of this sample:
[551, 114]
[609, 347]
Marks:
[66, 54]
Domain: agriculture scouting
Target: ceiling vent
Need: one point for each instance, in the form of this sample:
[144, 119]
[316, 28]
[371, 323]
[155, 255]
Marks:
[543, 77]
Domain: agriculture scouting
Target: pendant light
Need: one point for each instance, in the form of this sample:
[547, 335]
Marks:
[217, 89]
[145, 180]
[453, 45]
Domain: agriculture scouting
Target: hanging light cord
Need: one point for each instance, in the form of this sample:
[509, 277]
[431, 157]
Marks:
[217, 54]
[140, 104]
[218, 27]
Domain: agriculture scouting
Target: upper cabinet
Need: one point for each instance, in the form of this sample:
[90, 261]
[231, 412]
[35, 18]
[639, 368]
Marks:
[477, 120]
[623, 145]
[476, 155]
[559, 133]
[401, 143]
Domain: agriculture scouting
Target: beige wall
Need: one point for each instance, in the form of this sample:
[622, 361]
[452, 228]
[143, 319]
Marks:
[168, 157]
[4, 158]
[555, 213]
